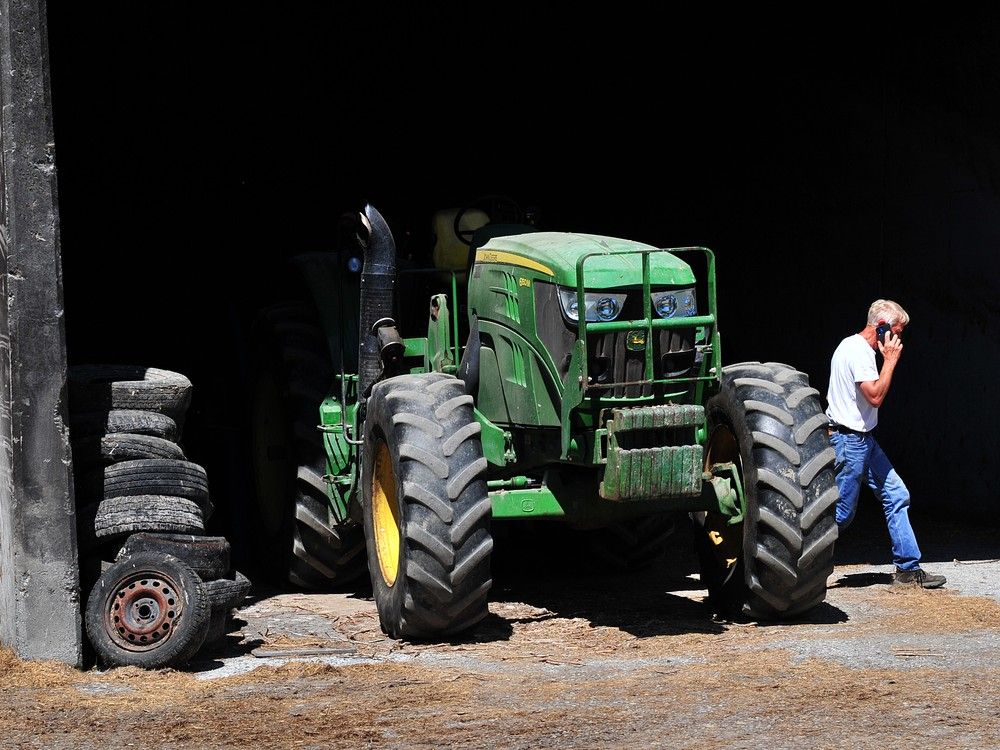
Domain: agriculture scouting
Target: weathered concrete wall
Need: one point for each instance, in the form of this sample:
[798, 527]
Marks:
[39, 579]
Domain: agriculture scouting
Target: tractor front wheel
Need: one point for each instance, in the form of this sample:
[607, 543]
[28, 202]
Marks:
[426, 508]
[768, 422]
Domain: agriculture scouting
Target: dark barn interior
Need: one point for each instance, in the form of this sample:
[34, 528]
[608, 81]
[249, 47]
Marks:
[826, 165]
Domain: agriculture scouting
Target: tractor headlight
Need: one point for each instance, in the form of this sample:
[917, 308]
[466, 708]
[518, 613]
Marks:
[601, 306]
[607, 308]
[677, 303]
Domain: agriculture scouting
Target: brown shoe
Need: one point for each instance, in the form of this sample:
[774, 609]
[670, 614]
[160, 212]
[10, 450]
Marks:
[917, 577]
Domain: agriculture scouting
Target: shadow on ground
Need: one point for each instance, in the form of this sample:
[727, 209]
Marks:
[544, 569]
[943, 537]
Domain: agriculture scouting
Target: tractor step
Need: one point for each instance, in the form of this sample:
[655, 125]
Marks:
[640, 466]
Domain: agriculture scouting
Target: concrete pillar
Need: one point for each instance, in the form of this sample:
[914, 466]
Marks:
[39, 576]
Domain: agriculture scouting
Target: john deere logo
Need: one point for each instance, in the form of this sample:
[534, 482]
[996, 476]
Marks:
[635, 341]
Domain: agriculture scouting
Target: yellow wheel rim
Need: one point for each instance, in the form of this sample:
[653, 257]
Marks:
[727, 541]
[385, 515]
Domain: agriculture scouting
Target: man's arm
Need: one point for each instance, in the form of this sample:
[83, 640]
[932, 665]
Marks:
[875, 391]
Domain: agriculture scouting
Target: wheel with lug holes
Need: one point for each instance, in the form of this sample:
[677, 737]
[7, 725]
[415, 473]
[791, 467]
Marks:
[148, 610]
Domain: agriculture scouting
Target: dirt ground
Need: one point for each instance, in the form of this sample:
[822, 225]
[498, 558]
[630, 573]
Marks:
[570, 661]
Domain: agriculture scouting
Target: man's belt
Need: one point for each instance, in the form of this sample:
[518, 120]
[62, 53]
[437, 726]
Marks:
[834, 427]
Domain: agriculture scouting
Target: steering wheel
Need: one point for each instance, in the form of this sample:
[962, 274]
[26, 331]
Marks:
[500, 208]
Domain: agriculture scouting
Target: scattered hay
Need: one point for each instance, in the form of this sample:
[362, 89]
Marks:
[919, 611]
[35, 674]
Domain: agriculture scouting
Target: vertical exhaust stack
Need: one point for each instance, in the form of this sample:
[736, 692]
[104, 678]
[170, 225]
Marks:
[378, 281]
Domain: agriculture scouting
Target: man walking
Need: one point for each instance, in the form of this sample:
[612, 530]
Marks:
[857, 389]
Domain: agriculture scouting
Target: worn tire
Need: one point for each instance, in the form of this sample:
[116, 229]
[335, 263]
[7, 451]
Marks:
[296, 535]
[229, 592]
[768, 418]
[131, 421]
[148, 610]
[107, 387]
[208, 556]
[150, 476]
[424, 491]
[109, 449]
[218, 620]
[115, 518]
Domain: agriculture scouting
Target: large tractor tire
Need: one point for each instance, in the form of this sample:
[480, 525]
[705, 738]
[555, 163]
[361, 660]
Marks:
[426, 507]
[769, 422]
[295, 535]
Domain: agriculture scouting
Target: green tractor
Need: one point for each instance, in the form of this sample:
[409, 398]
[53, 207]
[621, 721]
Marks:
[560, 376]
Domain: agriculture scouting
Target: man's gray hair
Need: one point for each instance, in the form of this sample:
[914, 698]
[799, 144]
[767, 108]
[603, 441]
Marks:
[888, 311]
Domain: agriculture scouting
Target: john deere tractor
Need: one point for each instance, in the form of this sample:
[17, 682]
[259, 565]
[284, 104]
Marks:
[550, 375]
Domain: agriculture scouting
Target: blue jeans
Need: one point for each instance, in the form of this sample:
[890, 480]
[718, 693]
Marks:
[860, 456]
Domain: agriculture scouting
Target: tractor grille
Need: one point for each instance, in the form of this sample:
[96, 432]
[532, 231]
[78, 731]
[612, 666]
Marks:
[610, 359]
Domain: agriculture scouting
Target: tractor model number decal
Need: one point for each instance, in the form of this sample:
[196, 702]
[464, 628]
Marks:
[494, 256]
[521, 281]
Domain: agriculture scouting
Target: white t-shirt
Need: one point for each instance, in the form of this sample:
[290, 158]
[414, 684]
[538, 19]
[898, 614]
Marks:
[853, 362]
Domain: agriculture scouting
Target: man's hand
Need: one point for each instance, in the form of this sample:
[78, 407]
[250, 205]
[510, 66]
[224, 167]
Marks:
[875, 391]
[892, 348]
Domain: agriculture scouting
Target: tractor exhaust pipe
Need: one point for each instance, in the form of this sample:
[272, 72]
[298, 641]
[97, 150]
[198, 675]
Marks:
[378, 281]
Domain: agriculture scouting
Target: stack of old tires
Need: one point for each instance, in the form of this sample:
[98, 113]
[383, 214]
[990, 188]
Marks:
[158, 590]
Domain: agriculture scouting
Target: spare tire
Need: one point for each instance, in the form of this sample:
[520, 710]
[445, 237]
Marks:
[149, 476]
[208, 556]
[217, 624]
[93, 451]
[224, 595]
[229, 593]
[106, 387]
[116, 518]
[148, 610]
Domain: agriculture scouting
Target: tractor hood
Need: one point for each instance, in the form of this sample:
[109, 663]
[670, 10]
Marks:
[555, 254]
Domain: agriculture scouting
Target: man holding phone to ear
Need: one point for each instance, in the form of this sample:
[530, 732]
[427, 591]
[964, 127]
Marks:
[857, 389]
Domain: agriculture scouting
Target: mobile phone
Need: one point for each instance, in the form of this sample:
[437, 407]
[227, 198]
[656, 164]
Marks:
[882, 329]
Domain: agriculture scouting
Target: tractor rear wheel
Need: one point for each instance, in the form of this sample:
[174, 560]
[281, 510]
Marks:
[295, 534]
[769, 423]
[426, 508]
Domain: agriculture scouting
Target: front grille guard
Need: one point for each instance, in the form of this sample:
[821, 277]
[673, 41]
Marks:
[576, 384]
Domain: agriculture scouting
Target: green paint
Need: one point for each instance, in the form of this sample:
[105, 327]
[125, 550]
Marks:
[498, 448]
[341, 456]
[514, 483]
[728, 487]
[572, 392]
[439, 355]
[621, 264]
[415, 347]
[536, 422]
[513, 379]
[512, 500]
[525, 503]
